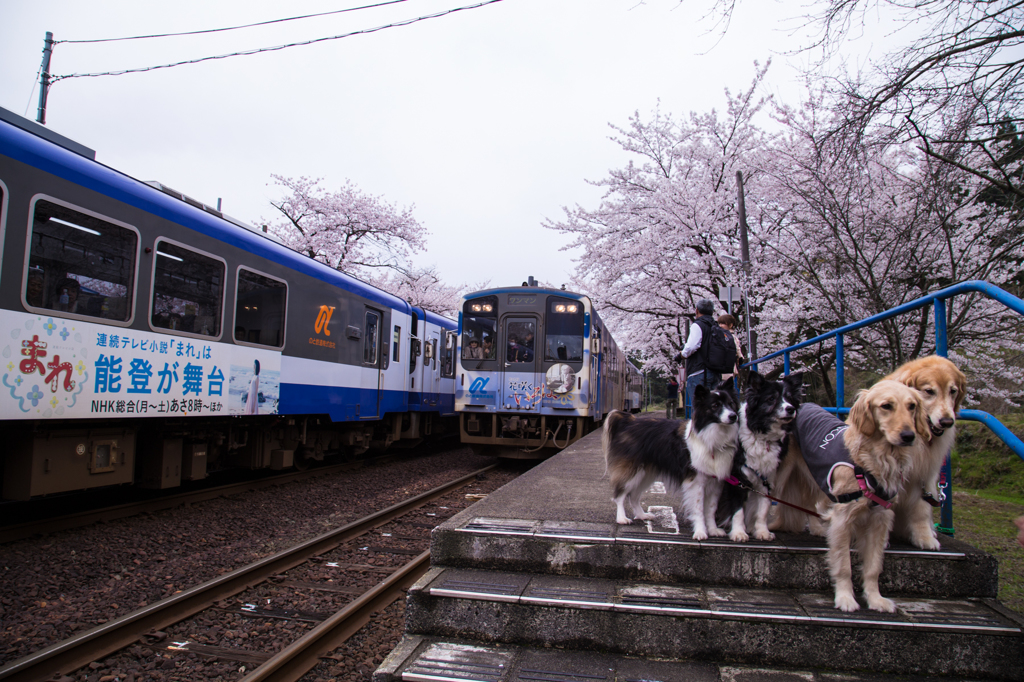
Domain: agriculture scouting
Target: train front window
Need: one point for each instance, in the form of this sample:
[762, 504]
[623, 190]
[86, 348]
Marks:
[564, 335]
[188, 290]
[519, 341]
[479, 328]
[79, 264]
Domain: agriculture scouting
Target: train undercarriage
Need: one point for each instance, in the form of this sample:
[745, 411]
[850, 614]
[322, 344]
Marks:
[46, 458]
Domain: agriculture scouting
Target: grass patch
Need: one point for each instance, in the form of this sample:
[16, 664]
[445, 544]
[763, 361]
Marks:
[988, 525]
[984, 465]
[988, 494]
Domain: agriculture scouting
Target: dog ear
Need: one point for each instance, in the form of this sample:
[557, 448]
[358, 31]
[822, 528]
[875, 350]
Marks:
[754, 382]
[728, 386]
[861, 417]
[700, 393]
[921, 417]
[795, 382]
[961, 388]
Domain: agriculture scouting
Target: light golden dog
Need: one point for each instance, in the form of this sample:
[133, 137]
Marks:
[882, 438]
[942, 386]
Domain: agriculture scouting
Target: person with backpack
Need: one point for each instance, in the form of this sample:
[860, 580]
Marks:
[709, 352]
[728, 323]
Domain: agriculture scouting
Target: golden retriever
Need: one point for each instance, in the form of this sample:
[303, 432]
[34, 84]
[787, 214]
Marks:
[942, 386]
[881, 438]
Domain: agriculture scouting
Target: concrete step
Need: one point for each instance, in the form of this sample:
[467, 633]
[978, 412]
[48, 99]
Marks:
[429, 659]
[729, 625]
[558, 518]
[660, 550]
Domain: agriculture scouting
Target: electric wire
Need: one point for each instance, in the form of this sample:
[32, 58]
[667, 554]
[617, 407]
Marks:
[31, 94]
[261, 50]
[230, 28]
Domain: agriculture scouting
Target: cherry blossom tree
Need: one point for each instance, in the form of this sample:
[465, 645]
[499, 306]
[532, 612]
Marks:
[423, 287]
[955, 81]
[654, 245]
[346, 229]
[363, 236]
[851, 231]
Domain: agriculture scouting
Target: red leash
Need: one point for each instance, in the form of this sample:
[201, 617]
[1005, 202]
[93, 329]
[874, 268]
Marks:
[732, 480]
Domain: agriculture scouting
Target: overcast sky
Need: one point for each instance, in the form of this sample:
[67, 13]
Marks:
[487, 121]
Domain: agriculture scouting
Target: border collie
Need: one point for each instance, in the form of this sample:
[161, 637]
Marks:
[766, 420]
[695, 456]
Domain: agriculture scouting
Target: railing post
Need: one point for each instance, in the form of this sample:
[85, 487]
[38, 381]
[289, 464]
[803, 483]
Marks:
[785, 364]
[945, 524]
[940, 328]
[840, 388]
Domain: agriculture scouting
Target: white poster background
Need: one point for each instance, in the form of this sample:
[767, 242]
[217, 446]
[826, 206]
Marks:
[52, 368]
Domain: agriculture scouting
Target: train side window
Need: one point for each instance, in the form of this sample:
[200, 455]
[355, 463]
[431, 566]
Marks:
[79, 264]
[397, 343]
[188, 290]
[260, 304]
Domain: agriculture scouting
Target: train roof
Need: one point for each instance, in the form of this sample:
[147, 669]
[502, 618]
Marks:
[526, 290]
[66, 159]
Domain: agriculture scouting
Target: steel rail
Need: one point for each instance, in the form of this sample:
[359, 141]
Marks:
[101, 641]
[297, 659]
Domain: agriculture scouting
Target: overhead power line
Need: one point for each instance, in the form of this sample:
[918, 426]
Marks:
[231, 28]
[260, 50]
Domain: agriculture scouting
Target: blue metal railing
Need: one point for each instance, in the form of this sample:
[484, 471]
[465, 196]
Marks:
[938, 301]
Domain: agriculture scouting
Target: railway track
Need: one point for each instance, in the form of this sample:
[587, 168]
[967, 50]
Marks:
[269, 575]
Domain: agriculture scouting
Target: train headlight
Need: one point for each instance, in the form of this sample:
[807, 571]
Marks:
[488, 308]
[572, 307]
[560, 308]
[476, 308]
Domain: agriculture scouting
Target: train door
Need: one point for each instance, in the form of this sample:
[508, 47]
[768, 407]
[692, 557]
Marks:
[432, 369]
[372, 374]
[595, 375]
[520, 389]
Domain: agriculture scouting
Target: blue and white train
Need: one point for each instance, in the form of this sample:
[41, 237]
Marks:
[538, 369]
[147, 338]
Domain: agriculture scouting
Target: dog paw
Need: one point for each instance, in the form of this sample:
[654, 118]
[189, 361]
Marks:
[646, 516]
[764, 535]
[846, 602]
[623, 521]
[716, 532]
[882, 604]
[738, 536]
[929, 543]
[699, 535]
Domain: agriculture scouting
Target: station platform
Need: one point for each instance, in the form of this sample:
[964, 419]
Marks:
[538, 582]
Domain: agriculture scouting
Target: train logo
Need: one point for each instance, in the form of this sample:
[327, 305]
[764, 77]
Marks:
[479, 384]
[322, 319]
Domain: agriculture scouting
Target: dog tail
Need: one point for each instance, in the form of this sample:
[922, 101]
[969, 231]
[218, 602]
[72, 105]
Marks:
[612, 424]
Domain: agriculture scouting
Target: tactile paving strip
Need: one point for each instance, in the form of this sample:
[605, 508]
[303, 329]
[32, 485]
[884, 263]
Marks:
[445, 662]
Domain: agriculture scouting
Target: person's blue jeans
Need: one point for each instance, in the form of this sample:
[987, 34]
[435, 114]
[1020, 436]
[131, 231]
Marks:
[709, 379]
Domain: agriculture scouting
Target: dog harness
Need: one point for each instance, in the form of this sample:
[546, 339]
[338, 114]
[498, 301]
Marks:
[821, 442]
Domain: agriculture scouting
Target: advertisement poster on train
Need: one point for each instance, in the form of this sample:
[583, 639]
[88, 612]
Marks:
[52, 368]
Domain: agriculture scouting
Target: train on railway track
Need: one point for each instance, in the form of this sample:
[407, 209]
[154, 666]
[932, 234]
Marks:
[150, 339]
[538, 369]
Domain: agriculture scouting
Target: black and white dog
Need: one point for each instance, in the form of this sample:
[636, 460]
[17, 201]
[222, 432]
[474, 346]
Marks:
[694, 456]
[766, 420]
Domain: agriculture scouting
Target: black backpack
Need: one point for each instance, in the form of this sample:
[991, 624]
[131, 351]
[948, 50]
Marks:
[720, 349]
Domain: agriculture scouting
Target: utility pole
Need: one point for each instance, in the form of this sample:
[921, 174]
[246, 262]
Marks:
[745, 264]
[44, 78]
